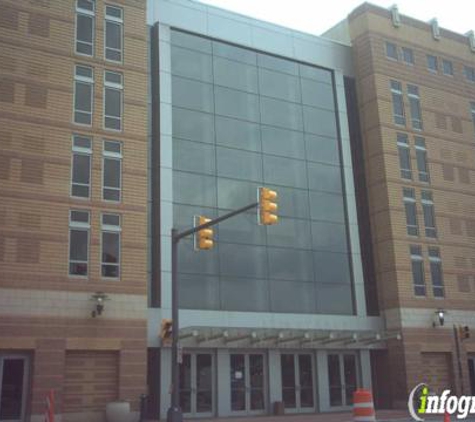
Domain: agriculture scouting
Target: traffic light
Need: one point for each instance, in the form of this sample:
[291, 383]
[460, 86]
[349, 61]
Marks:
[166, 331]
[267, 212]
[204, 237]
[464, 332]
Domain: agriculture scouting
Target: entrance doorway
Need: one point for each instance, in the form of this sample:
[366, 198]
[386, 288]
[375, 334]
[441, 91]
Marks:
[297, 382]
[342, 378]
[247, 383]
[13, 387]
[196, 384]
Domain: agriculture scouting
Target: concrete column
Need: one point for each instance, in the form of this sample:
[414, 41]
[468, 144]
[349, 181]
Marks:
[365, 366]
[322, 382]
[223, 383]
[275, 377]
[165, 380]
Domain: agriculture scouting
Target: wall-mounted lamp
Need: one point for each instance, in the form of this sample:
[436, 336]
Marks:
[440, 318]
[99, 298]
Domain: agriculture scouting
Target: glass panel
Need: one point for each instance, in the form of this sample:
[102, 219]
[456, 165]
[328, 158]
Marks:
[238, 134]
[327, 207]
[198, 291]
[290, 264]
[317, 94]
[282, 142]
[78, 245]
[192, 94]
[275, 63]
[293, 297]
[238, 164]
[237, 104]
[282, 114]
[239, 76]
[306, 380]
[279, 85]
[193, 189]
[405, 162]
[111, 173]
[194, 156]
[285, 171]
[113, 102]
[256, 377]
[233, 194]
[238, 382]
[83, 97]
[114, 35]
[234, 53]
[12, 389]
[185, 384]
[81, 168]
[191, 64]
[191, 41]
[322, 149]
[349, 365]
[334, 380]
[204, 383]
[85, 25]
[242, 229]
[243, 260]
[334, 299]
[110, 254]
[329, 237]
[315, 73]
[418, 277]
[244, 294]
[196, 263]
[320, 122]
[322, 177]
[193, 125]
[290, 233]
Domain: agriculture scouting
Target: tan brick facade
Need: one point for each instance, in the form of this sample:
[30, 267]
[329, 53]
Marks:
[45, 314]
[426, 353]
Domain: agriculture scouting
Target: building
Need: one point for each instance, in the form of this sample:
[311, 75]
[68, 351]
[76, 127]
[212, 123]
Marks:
[73, 206]
[272, 313]
[416, 100]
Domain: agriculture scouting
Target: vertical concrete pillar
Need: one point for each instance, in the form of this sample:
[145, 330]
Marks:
[275, 377]
[365, 365]
[165, 380]
[322, 382]
[223, 383]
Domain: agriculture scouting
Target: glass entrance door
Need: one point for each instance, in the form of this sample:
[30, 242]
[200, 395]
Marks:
[342, 378]
[247, 383]
[196, 384]
[297, 382]
[13, 380]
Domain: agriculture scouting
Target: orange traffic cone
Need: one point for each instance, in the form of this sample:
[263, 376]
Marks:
[446, 416]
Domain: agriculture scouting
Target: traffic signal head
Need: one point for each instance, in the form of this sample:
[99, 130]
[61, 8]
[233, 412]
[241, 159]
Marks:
[464, 332]
[204, 237]
[166, 331]
[267, 212]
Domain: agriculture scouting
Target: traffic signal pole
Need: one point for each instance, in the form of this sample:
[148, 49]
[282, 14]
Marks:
[174, 413]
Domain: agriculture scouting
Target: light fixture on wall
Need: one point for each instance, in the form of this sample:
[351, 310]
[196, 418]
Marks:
[440, 318]
[99, 298]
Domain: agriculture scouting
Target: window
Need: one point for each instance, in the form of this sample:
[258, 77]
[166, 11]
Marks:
[398, 103]
[472, 111]
[421, 158]
[85, 27]
[436, 272]
[81, 167]
[428, 211]
[112, 171]
[404, 156]
[113, 89]
[415, 106]
[391, 50]
[432, 64]
[79, 225]
[110, 242]
[411, 211]
[418, 277]
[447, 67]
[83, 95]
[114, 33]
[469, 73]
[408, 55]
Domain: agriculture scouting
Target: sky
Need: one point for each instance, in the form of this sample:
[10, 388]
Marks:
[316, 16]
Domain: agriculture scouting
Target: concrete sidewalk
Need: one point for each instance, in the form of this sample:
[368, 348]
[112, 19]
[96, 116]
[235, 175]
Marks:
[381, 416]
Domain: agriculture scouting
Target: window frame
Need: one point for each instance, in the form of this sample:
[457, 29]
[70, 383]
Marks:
[116, 87]
[79, 226]
[77, 150]
[410, 62]
[436, 62]
[116, 229]
[417, 258]
[444, 62]
[469, 73]
[411, 200]
[120, 22]
[472, 112]
[427, 202]
[388, 56]
[402, 141]
[92, 15]
[415, 106]
[420, 147]
[90, 82]
[397, 93]
[116, 156]
[435, 259]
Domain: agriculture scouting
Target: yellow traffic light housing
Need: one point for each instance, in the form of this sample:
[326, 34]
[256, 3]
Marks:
[204, 237]
[267, 212]
[166, 331]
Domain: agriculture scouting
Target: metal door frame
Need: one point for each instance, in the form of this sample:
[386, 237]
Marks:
[341, 354]
[26, 368]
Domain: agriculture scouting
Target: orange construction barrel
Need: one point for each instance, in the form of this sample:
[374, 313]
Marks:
[363, 407]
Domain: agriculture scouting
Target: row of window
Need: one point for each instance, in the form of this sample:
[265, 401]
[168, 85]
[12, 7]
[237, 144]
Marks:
[405, 164]
[418, 273]
[84, 97]
[79, 239]
[85, 30]
[410, 206]
[414, 105]
[81, 168]
[434, 64]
